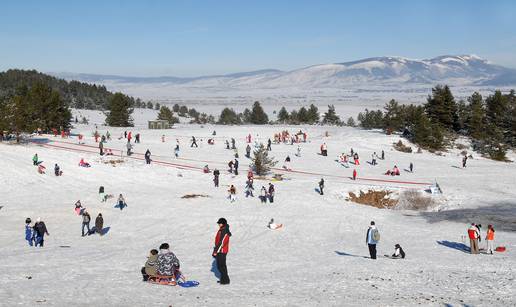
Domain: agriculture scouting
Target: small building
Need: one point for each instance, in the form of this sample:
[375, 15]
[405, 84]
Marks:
[159, 124]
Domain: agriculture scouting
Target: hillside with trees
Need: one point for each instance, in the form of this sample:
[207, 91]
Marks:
[75, 94]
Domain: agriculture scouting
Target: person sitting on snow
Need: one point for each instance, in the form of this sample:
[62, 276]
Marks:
[167, 263]
[206, 169]
[150, 270]
[121, 202]
[57, 170]
[274, 226]
[82, 163]
[398, 252]
[41, 169]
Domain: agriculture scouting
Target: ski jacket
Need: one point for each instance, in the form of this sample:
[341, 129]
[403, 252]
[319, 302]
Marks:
[222, 241]
[398, 253]
[473, 232]
[490, 235]
[40, 229]
[151, 268]
[271, 190]
[167, 263]
[29, 232]
[369, 235]
[99, 223]
[86, 218]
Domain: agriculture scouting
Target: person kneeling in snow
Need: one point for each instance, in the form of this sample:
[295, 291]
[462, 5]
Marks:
[150, 270]
[274, 226]
[168, 264]
[82, 163]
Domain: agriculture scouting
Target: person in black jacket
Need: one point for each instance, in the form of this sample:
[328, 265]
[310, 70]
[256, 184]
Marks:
[235, 165]
[321, 186]
[216, 174]
[148, 157]
[99, 224]
[40, 230]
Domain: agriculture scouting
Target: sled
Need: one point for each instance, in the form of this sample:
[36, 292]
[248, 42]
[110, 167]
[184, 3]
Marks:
[500, 249]
[169, 280]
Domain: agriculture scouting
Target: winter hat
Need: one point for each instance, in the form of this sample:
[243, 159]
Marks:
[164, 246]
[222, 221]
[372, 223]
[28, 220]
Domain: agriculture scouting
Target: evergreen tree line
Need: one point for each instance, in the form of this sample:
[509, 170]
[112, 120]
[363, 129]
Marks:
[165, 113]
[75, 94]
[28, 109]
[490, 122]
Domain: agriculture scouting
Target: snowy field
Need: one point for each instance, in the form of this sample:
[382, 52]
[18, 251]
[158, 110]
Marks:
[319, 257]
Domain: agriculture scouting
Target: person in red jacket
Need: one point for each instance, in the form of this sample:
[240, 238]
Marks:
[221, 249]
[473, 235]
[354, 174]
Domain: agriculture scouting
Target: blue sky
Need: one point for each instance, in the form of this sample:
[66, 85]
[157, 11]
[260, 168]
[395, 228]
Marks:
[189, 38]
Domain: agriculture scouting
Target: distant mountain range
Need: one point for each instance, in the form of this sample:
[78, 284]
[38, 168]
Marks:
[455, 70]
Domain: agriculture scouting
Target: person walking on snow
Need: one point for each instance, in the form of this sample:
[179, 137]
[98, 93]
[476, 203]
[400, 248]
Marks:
[489, 239]
[321, 186]
[99, 224]
[40, 229]
[298, 154]
[221, 249]
[29, 231]
[269, 145]
[233, 143]
[355, 157]
[249, 188]
[474, 236]
[129, 147]
[373, 158]
[286, 165]
[235, 165]
[86, 219]
[137, 138]
[248, 151]
[411, 167]
[176, 150]
[372, 238]
[216, 174]
[101, 148]
[148, 157]
[354, 174]
[194, 142]
[230, 165]
[271, 193]
[232, 193]
[383, 155]
[464, 160]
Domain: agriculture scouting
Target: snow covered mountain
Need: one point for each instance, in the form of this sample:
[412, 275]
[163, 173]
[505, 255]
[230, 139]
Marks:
[462, 70]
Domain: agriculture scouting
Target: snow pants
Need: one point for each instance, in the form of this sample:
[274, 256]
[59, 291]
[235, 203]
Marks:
[372, 250]
[87, 225]
[221, 266]
[473, 243]
[490, 246]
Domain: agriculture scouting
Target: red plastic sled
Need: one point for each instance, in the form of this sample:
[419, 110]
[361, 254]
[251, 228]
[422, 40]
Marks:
[500, 249]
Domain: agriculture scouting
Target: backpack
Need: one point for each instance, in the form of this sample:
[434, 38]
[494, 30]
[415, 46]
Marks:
[376, 235]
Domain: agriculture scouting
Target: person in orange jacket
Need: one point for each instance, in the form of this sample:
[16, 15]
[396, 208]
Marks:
[490, 239]
[221, 249]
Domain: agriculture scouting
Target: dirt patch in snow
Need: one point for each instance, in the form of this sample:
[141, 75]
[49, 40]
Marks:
[187, 196]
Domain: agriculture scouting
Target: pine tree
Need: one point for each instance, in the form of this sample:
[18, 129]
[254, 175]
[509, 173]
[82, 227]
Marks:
[157, 106]
[183, 110]
[442, 109]
[427, 134]
[476, 118]
[150, 105]
[166, 114]
[331, 117]
[351, 122]
[258, 116]
[262, 163]
[119, 114]
[283, 116]
[229, 117]
[175, 108]
[302, 115]
[393, 118]
[313, 114]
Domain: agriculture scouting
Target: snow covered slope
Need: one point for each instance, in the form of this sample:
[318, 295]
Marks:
[317, 259]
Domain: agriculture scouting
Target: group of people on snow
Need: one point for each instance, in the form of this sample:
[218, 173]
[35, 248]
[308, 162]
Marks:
[475, 237]
[35, 234]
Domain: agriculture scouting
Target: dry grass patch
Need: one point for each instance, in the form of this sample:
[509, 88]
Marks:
[402, 147]
[415, 200]
[378, 199]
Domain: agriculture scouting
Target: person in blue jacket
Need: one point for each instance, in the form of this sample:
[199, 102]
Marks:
[29, 232]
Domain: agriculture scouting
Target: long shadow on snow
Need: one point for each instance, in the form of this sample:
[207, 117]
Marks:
[350, 255]
[214, 269]
[502, 216]
[455, 245]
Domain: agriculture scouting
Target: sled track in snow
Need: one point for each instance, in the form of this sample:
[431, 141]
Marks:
[140, 156]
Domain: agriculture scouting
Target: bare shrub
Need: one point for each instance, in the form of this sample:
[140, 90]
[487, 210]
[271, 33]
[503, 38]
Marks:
[415, 200]
[461, 146]
[187, 196]
[402, 147]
